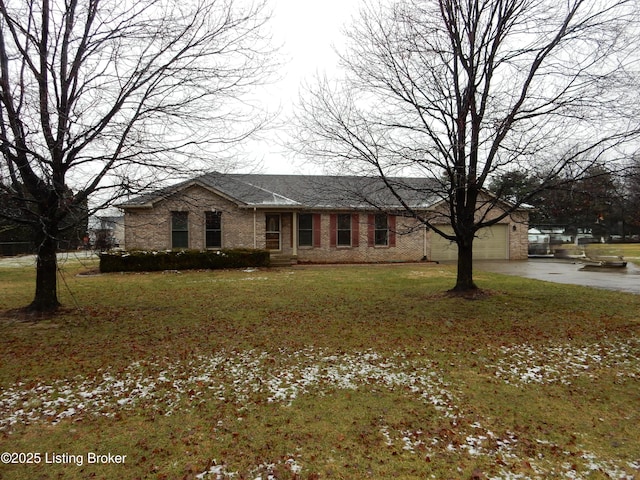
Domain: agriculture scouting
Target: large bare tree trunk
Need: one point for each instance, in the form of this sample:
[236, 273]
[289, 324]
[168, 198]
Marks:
[464, 279]
[46, 298]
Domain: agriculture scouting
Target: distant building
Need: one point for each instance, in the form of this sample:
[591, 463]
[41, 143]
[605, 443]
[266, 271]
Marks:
[105, 233]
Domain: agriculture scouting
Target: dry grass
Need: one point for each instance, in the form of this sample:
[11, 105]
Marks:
[330, 372]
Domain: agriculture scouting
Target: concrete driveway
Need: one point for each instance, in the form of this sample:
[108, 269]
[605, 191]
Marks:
[30, 260]
[568, 271]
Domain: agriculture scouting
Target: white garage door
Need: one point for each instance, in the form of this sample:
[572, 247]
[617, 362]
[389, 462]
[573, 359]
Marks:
[490, 244]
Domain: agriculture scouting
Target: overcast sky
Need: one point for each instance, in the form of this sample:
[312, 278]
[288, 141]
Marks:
[307, 31]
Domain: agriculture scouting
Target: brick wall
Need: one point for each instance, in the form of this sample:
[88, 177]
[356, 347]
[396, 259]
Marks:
[150, 228]
[519, 236]
[409, 244]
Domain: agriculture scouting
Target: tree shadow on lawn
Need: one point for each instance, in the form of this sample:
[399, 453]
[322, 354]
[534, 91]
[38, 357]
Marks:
[475, 294]
[26, 315]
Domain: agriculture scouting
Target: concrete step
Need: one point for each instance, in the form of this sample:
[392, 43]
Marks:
[281, 260]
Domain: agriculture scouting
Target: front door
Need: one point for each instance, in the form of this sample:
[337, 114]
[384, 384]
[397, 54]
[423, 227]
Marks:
[272, 230]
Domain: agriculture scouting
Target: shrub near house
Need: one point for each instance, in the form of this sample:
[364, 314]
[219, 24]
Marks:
[142, 261]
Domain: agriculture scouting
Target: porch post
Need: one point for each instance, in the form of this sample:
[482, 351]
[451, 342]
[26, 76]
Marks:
[425, 242]
[255, 238]
[294, 233]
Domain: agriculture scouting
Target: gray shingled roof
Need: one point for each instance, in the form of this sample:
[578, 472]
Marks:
[304, 191]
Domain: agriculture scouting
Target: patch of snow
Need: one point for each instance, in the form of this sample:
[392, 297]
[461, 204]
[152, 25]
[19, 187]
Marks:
[526, 364]
[226, 377]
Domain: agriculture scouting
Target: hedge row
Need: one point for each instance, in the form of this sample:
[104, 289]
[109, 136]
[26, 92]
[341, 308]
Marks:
[150, 261]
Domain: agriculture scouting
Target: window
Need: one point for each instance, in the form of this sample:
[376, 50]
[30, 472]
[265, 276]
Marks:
[305, 230]
[179, 229]
[213, 229]
[381, 230]
[344, 230]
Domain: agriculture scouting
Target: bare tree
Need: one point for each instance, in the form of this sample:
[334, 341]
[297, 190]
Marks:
[461, 90]
[99, 98]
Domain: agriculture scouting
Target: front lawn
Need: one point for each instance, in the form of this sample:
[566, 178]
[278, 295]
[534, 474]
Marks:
[320, 372]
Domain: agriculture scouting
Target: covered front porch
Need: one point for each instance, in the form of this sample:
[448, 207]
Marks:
[281, 230]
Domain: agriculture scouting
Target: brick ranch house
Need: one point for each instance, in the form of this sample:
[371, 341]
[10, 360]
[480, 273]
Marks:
[323, 219]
